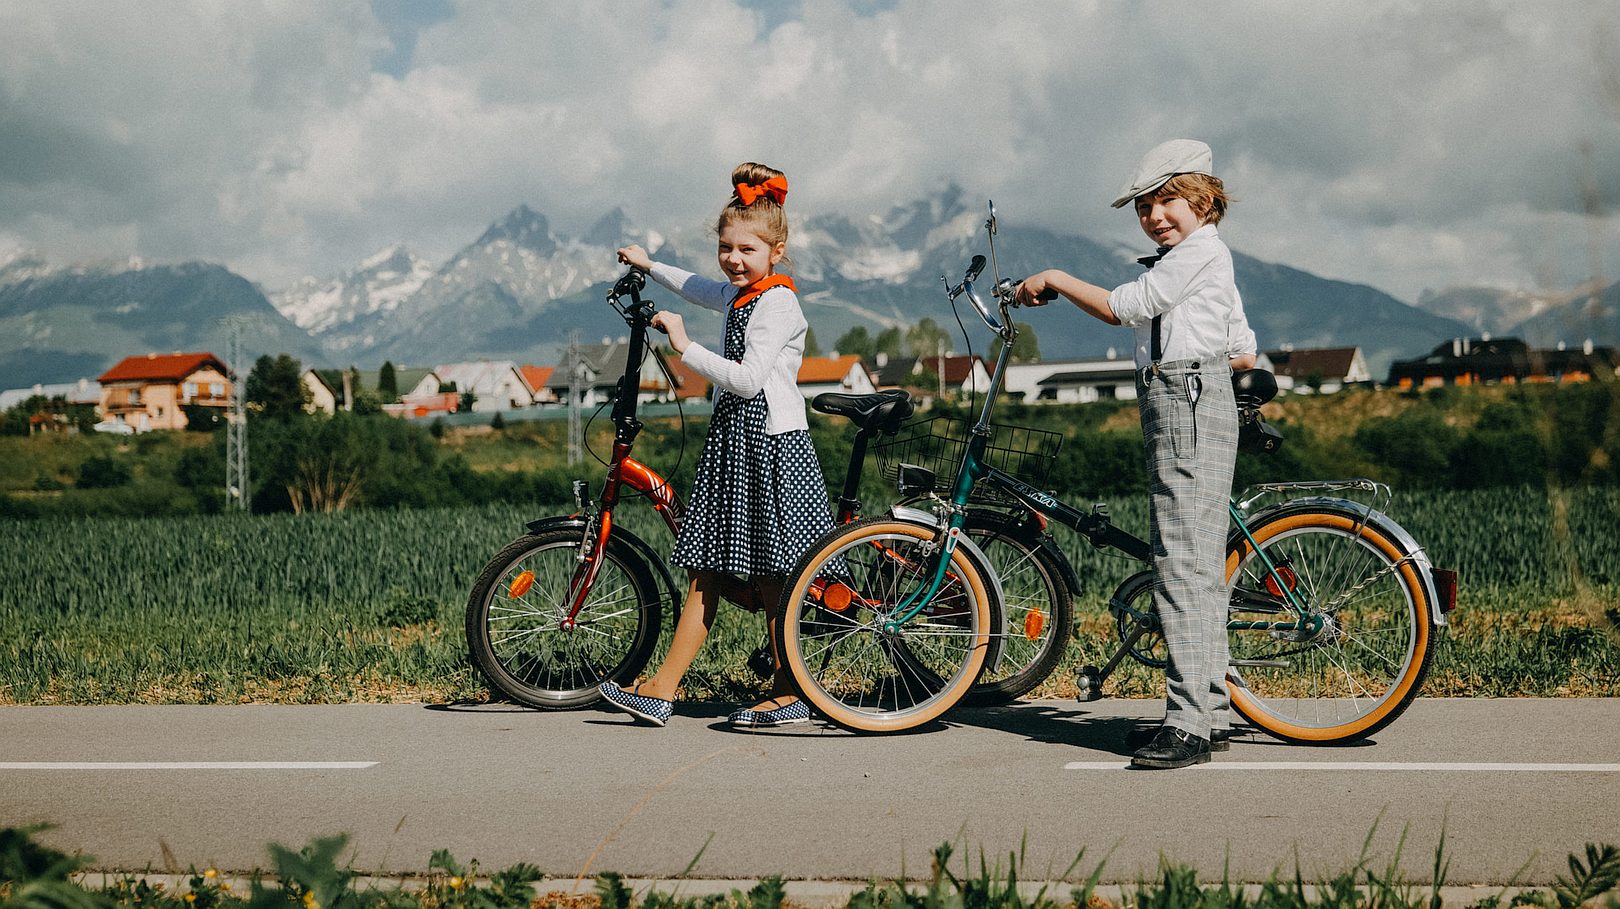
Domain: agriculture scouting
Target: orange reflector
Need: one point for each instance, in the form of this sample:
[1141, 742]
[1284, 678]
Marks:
[1288, 577]
[837, 597]
[1034, 624]
[520, 585]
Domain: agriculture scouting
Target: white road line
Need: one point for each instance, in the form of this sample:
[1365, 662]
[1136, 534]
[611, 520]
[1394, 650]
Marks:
[186, 765]
[1466, 767]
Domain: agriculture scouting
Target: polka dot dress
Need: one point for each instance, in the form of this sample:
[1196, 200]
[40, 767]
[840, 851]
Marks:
[758, 500]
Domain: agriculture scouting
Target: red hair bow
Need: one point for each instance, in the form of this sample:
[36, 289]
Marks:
[775, 187]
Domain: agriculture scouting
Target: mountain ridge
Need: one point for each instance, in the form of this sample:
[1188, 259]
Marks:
[522, 288]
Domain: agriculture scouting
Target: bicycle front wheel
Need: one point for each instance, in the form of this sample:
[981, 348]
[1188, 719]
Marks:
[1357, 659]
[859, 649]
[517, 633]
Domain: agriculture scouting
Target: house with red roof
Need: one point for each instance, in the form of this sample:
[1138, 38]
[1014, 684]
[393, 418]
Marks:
[149, 392]
[843, 374]
[539, 382]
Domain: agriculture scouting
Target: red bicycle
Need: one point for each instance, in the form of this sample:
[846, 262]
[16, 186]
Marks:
[578, 599]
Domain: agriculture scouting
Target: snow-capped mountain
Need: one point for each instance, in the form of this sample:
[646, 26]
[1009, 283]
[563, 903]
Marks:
[379, 284]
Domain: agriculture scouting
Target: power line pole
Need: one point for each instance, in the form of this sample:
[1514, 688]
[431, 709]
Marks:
[237, 491]
[576, 391]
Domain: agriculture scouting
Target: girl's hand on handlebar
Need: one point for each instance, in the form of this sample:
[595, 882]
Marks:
[636, 256]
[672, 324]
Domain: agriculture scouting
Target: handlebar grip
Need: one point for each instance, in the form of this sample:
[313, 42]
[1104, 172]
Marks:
[1048, 294]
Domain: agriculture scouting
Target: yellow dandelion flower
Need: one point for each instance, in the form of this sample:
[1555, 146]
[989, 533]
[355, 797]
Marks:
[456, 882]
[310, 902]
[191, 897]
[225, 885]
[210, 873]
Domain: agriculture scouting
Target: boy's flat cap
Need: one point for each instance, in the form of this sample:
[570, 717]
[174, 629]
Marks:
[1163, 161]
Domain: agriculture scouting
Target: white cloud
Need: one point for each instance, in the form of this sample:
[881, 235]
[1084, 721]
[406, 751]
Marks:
[1403, 144]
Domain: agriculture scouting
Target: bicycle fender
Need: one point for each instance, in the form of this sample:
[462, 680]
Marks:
[1384, 524]
[641, 547]
[981, 562]
[1039, 540]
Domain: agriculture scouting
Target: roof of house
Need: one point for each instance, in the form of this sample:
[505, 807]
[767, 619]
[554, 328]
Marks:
[1110, 371]
[957, 369]
[816, 370]
[1328, 362]
[688, 384]
[173, 367]
[536, 376]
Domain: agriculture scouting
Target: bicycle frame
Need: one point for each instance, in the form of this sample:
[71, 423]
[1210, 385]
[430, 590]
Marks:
[625, 472]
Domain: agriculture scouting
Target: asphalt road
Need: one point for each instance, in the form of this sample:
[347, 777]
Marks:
[1514, 785]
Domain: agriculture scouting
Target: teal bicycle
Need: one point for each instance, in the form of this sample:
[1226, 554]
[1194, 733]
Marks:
[892, 620]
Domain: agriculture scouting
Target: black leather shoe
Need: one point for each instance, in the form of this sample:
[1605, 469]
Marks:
[1172, 749]
[1219, 739]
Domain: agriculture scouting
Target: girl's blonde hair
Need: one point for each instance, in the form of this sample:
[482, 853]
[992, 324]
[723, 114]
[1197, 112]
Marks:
[1205, 195]
[765, 217]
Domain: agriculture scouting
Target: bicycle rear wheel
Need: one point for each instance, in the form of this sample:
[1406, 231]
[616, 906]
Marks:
[843, 639]
[1038, 606]
[515, 628]
[1362, 667]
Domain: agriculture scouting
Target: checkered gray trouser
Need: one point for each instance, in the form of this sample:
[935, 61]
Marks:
[1189, 428]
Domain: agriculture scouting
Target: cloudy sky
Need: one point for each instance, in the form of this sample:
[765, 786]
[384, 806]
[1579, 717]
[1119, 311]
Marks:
[1407, 145]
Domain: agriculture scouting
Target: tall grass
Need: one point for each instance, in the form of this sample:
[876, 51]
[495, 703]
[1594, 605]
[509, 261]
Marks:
[367, 605]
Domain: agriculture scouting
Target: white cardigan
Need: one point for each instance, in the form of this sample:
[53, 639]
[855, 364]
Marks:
[773, 346]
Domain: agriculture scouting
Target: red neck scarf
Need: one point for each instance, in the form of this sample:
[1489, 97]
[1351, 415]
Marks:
[753, 290]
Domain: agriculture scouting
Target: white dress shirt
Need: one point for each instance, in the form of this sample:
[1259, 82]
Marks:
[773, 346]
[1193, 288]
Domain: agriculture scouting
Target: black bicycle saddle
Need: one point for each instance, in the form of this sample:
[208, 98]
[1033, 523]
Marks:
[884, 410]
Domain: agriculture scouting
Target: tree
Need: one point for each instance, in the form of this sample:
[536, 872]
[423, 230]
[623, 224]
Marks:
[812, 347]
[855, 341]
[889, 341]
[275, 387]
[926, 339]
[1026, 349]
[388, 382]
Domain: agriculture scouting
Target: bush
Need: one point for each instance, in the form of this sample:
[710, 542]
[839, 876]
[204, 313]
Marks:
[99, 472]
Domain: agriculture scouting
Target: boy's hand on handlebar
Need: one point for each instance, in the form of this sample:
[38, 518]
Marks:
[635, 256]
[672, 324]
[1033, 291]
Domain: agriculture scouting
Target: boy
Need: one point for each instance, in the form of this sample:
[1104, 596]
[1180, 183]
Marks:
[1190, 334]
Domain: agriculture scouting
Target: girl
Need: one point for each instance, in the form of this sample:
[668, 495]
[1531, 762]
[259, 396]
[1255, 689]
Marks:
[759, 499]
[1190, 333]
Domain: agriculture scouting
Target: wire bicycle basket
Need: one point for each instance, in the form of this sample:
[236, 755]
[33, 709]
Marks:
[939, 444]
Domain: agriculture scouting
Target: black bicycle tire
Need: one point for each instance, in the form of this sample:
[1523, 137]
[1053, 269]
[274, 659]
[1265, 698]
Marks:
[1060, 621]
[502, 680]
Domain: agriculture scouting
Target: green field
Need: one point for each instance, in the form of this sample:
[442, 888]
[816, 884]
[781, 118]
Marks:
[367, 605]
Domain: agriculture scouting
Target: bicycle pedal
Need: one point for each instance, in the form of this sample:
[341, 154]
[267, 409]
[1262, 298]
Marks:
[1089, 683]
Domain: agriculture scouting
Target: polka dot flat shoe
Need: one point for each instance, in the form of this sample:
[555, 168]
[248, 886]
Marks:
[794, 713]
[656, 711]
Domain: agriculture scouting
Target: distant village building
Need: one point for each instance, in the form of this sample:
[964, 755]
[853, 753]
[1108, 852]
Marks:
[601, 366]
[83, 391]
[845, 375]
[415, 389]
[538, 378]
[1079, 381]
[1322, 369]
[495, 384]
[963, 375]
[1474, 361]
[148, 392]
